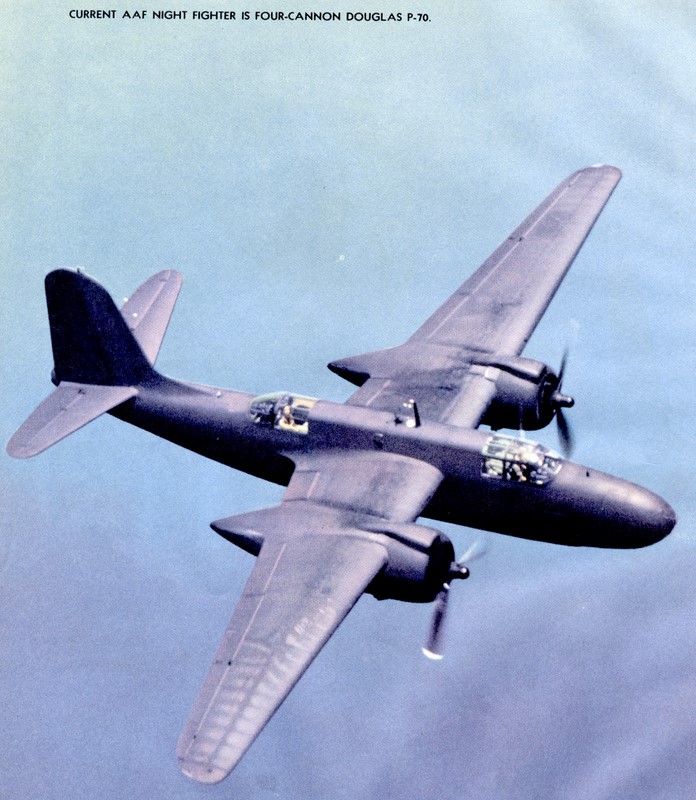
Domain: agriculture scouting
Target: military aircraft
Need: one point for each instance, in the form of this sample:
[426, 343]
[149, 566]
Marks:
[405, 445]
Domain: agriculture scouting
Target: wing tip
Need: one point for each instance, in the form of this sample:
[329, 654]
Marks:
[169, 275]
[203, 772]
[16, 448]
[609, 169]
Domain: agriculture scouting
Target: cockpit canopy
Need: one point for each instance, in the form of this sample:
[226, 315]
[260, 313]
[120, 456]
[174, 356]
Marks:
[519, 461]
[282, 411]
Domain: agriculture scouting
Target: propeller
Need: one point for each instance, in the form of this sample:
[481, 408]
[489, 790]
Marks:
[559, 402]
[458, 571]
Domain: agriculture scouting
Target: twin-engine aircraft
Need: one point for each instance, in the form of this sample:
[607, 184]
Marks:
[359, 475]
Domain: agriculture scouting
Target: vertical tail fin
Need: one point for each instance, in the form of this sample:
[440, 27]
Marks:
[101, 354]
[91, 341]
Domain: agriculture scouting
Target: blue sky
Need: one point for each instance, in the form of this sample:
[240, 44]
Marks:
[330, 185]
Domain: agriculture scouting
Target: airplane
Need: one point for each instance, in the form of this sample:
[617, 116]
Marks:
[359, 475]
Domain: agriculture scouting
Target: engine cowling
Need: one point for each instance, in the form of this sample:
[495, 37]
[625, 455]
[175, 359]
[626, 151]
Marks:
[419, 562]
[528, 394]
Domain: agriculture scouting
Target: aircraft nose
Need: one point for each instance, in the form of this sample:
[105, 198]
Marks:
[647, 515]
[658, 517]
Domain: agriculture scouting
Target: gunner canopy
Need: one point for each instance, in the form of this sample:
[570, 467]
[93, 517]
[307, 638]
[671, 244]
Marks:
[282, 411]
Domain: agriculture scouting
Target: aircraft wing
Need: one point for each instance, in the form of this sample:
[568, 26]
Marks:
[317, 556]
[494, 312]
[499, 306]
[299, 591]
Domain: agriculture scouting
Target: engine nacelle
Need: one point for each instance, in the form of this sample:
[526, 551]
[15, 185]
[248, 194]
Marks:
[527, 394]
[419, 562]
[418, 558]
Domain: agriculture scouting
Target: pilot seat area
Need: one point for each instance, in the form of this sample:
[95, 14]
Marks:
[519, 461]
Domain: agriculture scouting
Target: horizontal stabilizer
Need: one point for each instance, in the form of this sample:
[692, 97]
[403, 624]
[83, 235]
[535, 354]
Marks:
[148, 309]
[64, 411]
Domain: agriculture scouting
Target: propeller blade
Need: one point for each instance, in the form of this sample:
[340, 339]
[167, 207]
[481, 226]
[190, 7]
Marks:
[433, 647]
[478, 548]
[561, 401]
[565, 433]
[561, 369]
[457, 571]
